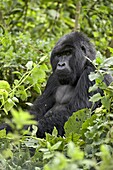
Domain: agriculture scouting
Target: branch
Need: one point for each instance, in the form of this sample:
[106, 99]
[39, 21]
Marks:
[77, 16]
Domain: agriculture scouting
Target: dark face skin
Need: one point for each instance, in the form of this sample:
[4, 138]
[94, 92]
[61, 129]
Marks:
[63, 69]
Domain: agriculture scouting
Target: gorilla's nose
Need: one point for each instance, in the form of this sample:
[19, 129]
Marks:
[61, 65]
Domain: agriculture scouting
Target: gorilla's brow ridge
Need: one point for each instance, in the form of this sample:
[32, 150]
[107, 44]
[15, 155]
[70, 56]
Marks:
[63, 48]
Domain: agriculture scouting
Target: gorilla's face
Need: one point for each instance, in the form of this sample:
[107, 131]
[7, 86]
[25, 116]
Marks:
[63, 68]
[68, 57]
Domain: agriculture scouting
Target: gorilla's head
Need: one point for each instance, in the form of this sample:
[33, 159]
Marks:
[69, 57]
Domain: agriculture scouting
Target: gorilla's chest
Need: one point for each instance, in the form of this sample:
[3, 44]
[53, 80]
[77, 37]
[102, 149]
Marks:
[64, 94]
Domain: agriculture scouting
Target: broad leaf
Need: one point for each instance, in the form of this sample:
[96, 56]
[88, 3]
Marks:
[74, 124]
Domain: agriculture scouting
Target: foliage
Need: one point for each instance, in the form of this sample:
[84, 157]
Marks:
[28, 31]
[22, 68]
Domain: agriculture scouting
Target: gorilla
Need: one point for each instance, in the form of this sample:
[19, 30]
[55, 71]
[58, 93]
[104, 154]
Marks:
[67, 87]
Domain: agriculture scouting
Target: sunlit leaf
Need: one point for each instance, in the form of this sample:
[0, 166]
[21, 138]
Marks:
[4, 85]
[95, 98]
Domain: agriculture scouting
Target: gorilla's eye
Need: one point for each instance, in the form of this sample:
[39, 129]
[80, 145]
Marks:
[83, 49]
[67, 53]
[58, 55]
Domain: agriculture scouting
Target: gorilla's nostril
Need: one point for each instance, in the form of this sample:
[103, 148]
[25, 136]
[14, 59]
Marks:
[61, 64]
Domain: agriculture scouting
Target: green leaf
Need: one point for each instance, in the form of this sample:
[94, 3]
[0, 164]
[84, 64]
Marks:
[2, 133]
[43, 58]
[53, 13]
[110, 49]
[74, 123]
[15, 99]
[23, 95]
[17, 72]
[108, 62]
[94, 76]
[74, 137]
[74, 152]
[30, 142]
[99, 58]
[47, 155]
[56, 145]
[96, 34]
[4, 85]
[29, 65]
[55, 132]
[7, 153]
[106, 102]
[107, 158]
[88, 122]
[93, 88]
[21, 118]
[38, 74]
[44, 67]
[3, 95]
[9, 105]
[95, 98]
[37, 88]
[68, 21]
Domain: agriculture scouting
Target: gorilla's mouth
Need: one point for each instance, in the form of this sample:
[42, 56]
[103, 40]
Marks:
[64, 77]
[63, 73]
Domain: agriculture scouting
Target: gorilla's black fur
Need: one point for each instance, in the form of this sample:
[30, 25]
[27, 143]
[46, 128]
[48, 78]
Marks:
[67, 87]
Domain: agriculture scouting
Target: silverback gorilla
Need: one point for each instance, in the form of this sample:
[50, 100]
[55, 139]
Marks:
[67, 87]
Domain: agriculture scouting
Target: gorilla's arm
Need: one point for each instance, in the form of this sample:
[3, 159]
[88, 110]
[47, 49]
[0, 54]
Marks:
[81, 96]
[43, 103]
[53, 119]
